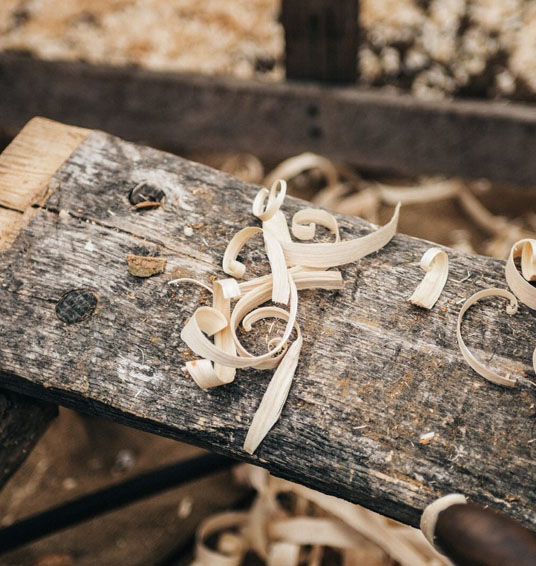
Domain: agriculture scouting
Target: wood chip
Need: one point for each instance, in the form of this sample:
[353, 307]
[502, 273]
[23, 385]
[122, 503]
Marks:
[144, 266]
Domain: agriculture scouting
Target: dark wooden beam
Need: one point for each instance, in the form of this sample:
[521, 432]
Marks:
[363, 127]
[321, 40]
[22, 422]
[375, 373]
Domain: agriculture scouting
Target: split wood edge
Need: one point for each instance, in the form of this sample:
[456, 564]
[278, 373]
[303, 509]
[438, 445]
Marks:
[26, 167]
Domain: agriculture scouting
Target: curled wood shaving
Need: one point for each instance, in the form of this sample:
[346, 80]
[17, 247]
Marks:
[190, 280]
[430, 514]
[428, 192]
[519, 282]
[293, 266]
[435, 263]
[230, 264]
[277, 391]
[221, 556]
[293, 166]
[298, 535]
[326, 255]
[478, 366]
[245, 166]
[304, 223]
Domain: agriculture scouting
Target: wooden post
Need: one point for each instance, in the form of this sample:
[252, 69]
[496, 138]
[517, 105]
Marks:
[376, 374]
[22, 422]
[321, 39]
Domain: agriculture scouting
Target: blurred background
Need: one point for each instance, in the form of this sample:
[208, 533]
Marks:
[433, 50]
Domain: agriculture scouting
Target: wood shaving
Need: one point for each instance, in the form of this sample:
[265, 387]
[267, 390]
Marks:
[143, 266]
[430, 514]
[435, 263]
[282, 536]
[324, 255]
[519, 282]
[293, 266]
[478, 366]
[294, 166]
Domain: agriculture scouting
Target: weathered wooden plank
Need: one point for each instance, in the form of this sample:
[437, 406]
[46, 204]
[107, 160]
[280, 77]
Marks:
[366, 127]
[320, 40]
[376, 372]
[22, 422]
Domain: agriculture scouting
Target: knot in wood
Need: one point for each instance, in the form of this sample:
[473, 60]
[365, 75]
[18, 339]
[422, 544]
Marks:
[76, 305]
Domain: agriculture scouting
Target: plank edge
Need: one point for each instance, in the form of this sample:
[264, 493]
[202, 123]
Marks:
[26, 167]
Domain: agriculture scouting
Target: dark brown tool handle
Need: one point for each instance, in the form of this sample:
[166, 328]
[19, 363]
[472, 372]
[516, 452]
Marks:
[473, 536]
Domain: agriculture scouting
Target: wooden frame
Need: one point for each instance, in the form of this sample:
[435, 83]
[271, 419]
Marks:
[365, 127]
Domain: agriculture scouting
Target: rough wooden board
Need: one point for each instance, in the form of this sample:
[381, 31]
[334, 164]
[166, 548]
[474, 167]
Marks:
[375, 372]
[23, 420]
[37, 153]
[26, 166]
[369, 128]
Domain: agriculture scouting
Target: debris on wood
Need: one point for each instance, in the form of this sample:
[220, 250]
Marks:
[426, 437]
[144, 266]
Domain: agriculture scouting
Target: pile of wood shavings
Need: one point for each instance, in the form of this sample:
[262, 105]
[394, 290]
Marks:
[294, 266]
[309, 529]
[508, 237]
[230, 37]
[435, 49]
[438, 48]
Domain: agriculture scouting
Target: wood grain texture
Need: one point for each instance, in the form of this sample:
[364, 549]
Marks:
[29, 161]
[26, 166]
[368, 128]
[375, 373]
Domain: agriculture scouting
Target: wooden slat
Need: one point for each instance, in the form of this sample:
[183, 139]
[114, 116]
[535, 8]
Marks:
[22, 422]
[320, 40]
[375, 373]
[26, 166]
[365, 127]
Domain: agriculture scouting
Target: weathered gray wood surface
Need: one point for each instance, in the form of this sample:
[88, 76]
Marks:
[22, 422]
[367, 127]
[375, 373]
